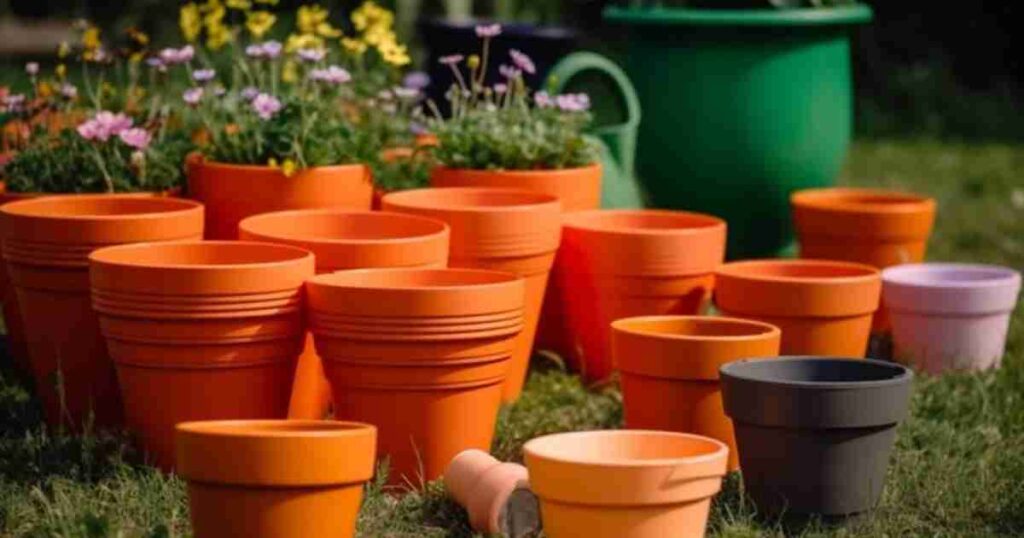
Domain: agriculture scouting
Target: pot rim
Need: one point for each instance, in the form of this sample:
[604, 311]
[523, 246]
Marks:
[807, 17]
[252, 223]
[351, 279]
[533, 172]
[630, 326]
[736, 369]
[197, 159]
[34, 207]
[856, 200]
[915, 275]
[591, 220]
[547, 447]
[270, 428]
[533, 201]
[752, 270]
[122, 255]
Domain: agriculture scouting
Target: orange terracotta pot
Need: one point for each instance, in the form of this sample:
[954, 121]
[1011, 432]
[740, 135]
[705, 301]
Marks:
[275, 479]
[47, 242]
[233, 192]
[17, 349]
[496, 495]
[578, 189]
[345, 240]
[875, 227]
[626, 483]
[669, 370]
[420, 353]
[823, 307]
[200, 331]
[625, 263]
[509, 230]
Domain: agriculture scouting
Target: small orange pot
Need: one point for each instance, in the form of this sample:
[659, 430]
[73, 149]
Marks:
[17, 349]
[823, 307]
[232, 192]
[200, 331]
[625, 263]
[626, 483]
[345, 240]
[47, 242]
[275, 478]
[420, 353]
[496, 495]
[669, 370]
[875, 227]
[509, 230]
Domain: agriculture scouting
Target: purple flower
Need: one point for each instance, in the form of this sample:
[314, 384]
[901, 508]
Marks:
[451, 59]
[266, 106]
[13, 102]
[32, 68]
[88, 130]
[172, 56]
[249, 93]
[68, 91]
[192, 96]
[522, 61]
[254, 51]
[509, 72]
[542, 100]
[137, 138]
[311, 55]
[104, 125]
[331, 75]
[416, 80]
[272, 49]
[406, 93]
[500, 89]
[156, 63]
[488, 30]
[573, 102]
[203, 75]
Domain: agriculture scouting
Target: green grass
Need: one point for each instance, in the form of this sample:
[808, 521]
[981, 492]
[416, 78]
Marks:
[958, 468]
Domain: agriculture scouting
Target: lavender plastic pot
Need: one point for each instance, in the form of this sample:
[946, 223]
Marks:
[950, 316]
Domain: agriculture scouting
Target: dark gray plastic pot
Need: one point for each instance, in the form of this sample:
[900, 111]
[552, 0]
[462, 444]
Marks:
[814, 434]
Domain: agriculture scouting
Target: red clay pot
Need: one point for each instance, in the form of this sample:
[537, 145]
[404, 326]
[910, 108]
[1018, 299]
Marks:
[823, 307]
[421, 354]
[496, 495]
[275, 479]
[669, 370]
[624, 263]
[515, 231]
[200, 331]
[345, 240]
[232, 192]
[47, 242]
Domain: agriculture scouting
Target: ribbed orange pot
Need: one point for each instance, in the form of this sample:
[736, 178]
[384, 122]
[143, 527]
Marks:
[17, 349]
[200, 331]
[232, 192]
[823, 307]
[47, 242]
[275, 479]
[626, 483]
[624, 263]
[875, 227]
[509, 230]
[345, 240]
[578, 189]
[669, 370]
[421, 354]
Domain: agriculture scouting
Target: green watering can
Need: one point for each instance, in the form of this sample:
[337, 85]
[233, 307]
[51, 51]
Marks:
[616, 111]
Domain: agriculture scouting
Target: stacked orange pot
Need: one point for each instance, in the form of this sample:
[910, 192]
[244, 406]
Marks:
[420, 353]
[47, 242]
[624, 263]
[14, 327]
[345, 240]
[200, 331]
[501, 230]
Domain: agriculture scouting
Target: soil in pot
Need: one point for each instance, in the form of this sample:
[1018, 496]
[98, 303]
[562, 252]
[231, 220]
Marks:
[340, 240]
[815, 433]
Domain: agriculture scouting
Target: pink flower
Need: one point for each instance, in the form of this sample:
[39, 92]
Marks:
[68, 91]
[249, 93]
[203, 75]
[32, 68]
[137, 138]
[416, 80]
[573, 102]
[104, 125]
[542, 100]
[331, 75]
[266, 106]
[88, 130]
[311, 55]
[192, 96]
[500, 89]
[522, 61]
[451, 59]
[156, 63]
[13, 102]
[272, 49]
[172, 56]
[509, 72]
[488, 30]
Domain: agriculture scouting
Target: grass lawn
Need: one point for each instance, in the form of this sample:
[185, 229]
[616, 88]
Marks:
[958, 468]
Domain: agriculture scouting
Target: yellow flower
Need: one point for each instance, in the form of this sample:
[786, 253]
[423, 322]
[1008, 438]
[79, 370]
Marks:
[395, 54]
[310, 17]
[377, 36]
[217, 36]
[64, 50]
[190, 22]
[289, 72]
[91, 38]
[44, 89]
[214, 17]
[370, 15]
[259, 22]
[241, 5]
[211, 5]
[267, 2]
[473, 61]
[61, 71]
[303, 41]
[324, 29]
[272, 162]
[288, 167]
[355, 47]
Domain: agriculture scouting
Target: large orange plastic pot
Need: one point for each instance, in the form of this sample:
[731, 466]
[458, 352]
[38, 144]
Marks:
[232, 192]
[421, 354]
[669, 370]
[823, 307]
[345, 240]
[624, 263]
[876, 227]
[200, 331]
[498, 229]
[626, 483]
[14, 326]
[47, 242]
[275, 478]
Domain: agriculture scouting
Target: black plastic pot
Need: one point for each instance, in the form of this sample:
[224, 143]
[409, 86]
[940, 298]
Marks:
[814, 433]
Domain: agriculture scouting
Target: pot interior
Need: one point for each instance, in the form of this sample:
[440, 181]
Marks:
[202, 254]
[798, 270]
[273, 428]
[342, 226]
[950, 275]
[623, 447]
[86, 206]
[818, 371]
[468, 198]
[695, 327]
[644, 220]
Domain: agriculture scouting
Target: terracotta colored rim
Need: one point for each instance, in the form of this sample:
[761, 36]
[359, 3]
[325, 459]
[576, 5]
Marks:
[878, 373]
[559, 447]
[199, 160]
[567, 174]
[276, 452]
[696, 328]
[862, 200]
[797, 288]
[862, 215]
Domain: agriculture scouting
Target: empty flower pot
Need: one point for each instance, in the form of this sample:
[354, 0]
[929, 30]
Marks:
[624, 263]
[200, 330]
[341, 240]
[496, 495]
[815, 433]
[509, 230]
[625, 484]
[421, 354]
[232, 192]
[669, 365]
[275, 478]
[950, 316]
[47, 242]
[823, 307]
